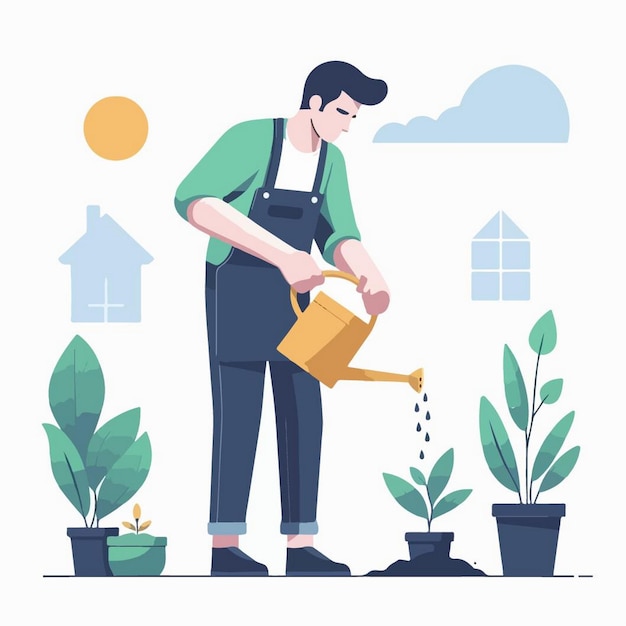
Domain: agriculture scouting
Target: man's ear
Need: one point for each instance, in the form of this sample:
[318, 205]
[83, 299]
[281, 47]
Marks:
[315, 103]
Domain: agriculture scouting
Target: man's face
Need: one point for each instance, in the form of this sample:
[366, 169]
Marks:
[335, 118]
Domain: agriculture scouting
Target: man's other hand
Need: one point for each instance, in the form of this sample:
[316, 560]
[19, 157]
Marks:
[375, 294]
[301, 271]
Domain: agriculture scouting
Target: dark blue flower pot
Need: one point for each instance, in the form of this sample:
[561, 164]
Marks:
[437, 544]
[528, 535]
[89, 550]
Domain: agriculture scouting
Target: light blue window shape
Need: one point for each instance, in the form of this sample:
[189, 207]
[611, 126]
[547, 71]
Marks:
[500, 261]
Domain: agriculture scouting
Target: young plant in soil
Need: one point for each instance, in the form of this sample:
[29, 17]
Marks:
[435, 504]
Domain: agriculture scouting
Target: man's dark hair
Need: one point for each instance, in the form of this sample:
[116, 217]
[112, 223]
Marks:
[329, 79]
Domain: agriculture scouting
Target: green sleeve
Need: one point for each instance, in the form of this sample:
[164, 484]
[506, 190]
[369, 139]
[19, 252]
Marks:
[231, 166]
[337, 206]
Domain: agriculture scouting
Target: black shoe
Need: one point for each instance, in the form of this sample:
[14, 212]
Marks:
[311, 562]
[234, 562]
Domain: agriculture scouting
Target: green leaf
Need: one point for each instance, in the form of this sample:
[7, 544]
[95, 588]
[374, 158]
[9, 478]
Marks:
[542, 338]
[560, 470]
[497, 447]
[551, 391]
[551, 445]
[406, 495]
[68, 469]
[109, 443]
[440, 475]
[125, 477]
[515, 389]
[76, 393]
[417, 476]
[450, 501]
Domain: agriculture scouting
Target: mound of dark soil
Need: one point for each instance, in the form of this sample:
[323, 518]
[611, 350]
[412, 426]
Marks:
[429, 565]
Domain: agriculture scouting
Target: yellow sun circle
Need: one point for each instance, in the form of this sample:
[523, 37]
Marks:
[116, 128]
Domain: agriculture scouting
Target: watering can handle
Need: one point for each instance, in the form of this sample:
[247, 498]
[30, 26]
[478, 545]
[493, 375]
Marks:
[329, 273]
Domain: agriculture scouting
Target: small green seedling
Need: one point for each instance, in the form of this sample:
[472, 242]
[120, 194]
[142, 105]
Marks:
[407, 496]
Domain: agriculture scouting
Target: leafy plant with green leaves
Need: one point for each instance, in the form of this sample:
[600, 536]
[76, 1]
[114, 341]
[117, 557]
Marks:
[97, 470]
[407, 496]
[495, 440]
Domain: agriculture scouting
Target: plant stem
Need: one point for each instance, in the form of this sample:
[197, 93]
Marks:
[519, 487]
[430, 513]
[95, 507]
[530, 426]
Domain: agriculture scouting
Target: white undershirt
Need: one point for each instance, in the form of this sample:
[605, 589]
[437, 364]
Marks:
[296, 169]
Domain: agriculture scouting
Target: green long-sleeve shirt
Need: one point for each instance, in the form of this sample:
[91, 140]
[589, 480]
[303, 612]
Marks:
[238, 162]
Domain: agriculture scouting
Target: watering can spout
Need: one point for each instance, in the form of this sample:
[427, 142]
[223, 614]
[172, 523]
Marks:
[415, 379]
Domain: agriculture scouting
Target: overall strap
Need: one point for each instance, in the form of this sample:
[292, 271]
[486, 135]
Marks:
[320, 168]
[277, 146]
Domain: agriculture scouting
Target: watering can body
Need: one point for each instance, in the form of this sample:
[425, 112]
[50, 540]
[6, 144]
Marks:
[326, 336]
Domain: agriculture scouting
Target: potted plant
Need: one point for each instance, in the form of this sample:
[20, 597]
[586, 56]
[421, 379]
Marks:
[136, 553]
[429, 551]
[97, 470]
[528, 532]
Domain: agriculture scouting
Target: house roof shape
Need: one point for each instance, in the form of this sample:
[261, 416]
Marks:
[105, 239]
[500, 226]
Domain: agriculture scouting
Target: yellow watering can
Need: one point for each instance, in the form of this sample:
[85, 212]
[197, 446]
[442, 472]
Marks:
[326, 336]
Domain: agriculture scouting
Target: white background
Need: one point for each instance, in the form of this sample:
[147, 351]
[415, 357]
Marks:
[198, 67]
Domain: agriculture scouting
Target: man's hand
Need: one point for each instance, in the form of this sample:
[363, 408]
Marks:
[301, 271]
[350, 256]
[375, 294]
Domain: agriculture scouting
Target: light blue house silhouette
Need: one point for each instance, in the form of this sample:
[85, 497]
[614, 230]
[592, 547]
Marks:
[500, 261]
[106, 272]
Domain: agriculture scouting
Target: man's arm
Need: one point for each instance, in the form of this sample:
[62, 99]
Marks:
[219, 219]
[339, 238]
[351, 256]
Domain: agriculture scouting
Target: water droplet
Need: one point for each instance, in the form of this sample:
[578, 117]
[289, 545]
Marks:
[425, 397]
[419, 427]
[417, 407]
[427, 437]
[421, 454]
[427, 415]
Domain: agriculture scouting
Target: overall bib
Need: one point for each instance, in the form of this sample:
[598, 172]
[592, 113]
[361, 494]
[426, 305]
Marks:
[248, 313]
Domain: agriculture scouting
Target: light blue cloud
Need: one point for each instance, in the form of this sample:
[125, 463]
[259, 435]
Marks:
[509, 104]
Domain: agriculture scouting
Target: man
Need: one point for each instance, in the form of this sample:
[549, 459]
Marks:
[263, 193]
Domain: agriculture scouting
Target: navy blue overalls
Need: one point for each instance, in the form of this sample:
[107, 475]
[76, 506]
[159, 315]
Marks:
[248, 313]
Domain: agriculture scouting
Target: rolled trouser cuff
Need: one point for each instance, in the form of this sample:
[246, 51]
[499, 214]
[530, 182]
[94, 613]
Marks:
[298, 528]
[227, 528]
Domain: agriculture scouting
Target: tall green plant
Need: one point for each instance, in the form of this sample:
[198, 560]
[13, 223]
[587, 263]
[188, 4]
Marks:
[495, 440]
[408, 497]
[97, 470]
